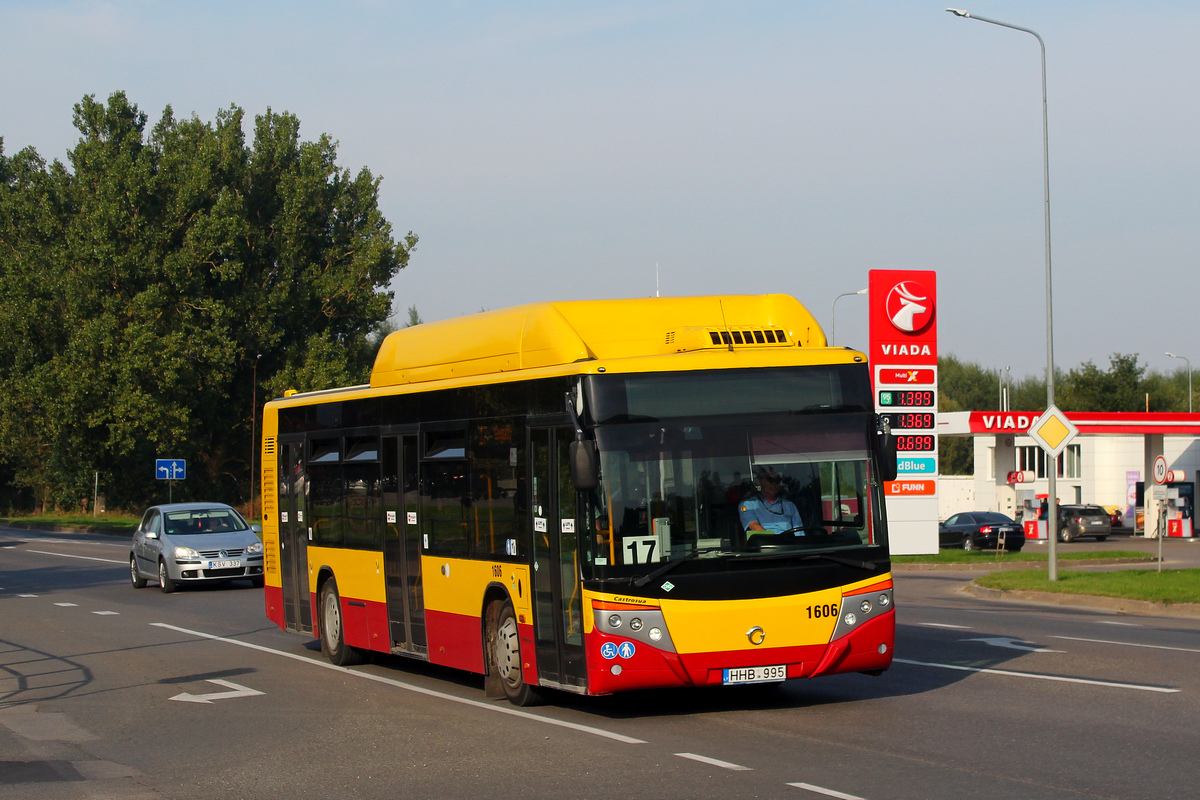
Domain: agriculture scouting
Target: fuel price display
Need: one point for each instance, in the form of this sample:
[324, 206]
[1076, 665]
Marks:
[906, 398]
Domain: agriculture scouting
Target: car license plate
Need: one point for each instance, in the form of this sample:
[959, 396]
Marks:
[1096, 522]
[775, 672]
[223, 564]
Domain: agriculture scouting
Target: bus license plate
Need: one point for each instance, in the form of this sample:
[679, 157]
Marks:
[775, 672]
[223, 564]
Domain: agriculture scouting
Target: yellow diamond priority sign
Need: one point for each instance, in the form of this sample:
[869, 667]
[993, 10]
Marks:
[1053, 431]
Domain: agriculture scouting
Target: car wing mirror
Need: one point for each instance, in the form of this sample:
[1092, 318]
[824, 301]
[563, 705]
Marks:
[151, 535]
[256, 528]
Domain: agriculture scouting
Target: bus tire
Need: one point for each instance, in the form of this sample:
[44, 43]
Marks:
[506, 659]
[333, 634]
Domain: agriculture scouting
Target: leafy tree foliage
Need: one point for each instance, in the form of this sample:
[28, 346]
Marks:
[147, 285]
[1124, 386]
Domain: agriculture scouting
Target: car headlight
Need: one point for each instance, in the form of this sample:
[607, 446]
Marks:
[186, 554]
[254, 548]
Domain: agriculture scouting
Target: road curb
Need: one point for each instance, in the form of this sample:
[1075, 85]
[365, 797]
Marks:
[1093, 602]
[1006, 565]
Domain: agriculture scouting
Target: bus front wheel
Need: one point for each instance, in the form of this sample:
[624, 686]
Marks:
[506, 659]
[333, 634]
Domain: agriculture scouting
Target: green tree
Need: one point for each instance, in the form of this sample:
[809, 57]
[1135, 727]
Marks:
[155, 279]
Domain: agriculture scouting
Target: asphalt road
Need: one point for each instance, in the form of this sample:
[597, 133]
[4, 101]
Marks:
[99, 685]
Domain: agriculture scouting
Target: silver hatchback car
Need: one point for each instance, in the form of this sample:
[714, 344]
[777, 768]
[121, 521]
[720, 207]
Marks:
[194, 543]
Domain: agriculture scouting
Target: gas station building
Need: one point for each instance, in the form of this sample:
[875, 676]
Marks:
[1106, 464]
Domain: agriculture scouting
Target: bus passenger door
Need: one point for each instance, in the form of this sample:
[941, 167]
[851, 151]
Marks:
[558, 617]
[402, 546]
[293, 538]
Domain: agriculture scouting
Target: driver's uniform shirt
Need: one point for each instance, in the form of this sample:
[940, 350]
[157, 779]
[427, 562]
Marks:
[776, 515]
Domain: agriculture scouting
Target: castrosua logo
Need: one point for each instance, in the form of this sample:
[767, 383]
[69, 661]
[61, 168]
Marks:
[909, 307]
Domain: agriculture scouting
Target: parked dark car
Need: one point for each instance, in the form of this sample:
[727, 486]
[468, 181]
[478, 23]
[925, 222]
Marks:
[1086, 520]
[979, 530]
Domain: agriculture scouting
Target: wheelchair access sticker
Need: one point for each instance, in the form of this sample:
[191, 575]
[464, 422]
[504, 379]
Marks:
[610, 650]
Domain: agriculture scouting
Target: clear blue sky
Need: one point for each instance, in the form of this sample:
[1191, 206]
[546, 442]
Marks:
[562, 150]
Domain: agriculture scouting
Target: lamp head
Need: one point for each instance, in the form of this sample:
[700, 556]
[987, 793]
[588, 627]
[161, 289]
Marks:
[1172, 355]
[958, 12]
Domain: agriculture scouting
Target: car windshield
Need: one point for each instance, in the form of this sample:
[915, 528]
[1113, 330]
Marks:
[203, 520]
[691, 489]
[1090, 512]
[990, 516]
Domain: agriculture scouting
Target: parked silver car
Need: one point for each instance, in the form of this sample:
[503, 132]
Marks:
[194, 543]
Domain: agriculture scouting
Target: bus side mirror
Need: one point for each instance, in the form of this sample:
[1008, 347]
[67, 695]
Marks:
[885, 442]
[585, 473]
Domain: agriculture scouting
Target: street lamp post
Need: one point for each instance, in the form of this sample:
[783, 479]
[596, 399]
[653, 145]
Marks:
[833, 313]
[1189, 366]
[253, 428]
[1052, 464]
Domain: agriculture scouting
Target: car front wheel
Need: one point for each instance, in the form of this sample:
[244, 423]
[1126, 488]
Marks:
[164, 579]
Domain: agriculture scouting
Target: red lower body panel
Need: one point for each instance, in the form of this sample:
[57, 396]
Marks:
[455, 640]
[273, 600]
[648, 667]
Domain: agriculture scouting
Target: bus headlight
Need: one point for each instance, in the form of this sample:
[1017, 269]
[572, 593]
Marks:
[635, 624]
[655, 634]
[884, 600]
[614, 620]
[849, 619]
[865, 606]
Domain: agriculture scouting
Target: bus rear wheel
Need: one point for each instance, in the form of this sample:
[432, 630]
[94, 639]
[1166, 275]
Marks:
[333, 634]
[506, 659]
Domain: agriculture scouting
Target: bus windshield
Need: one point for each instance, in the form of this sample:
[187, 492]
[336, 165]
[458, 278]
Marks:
[717, 487]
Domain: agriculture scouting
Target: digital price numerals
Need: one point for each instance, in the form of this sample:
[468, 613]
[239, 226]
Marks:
[910, 419]
[915, 442]
[906, 397]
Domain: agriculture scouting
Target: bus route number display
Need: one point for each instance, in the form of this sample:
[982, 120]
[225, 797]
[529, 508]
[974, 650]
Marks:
[910, 419]
[914, 442]
[906, 397]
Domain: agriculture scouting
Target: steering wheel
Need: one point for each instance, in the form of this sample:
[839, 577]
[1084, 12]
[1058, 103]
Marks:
[804, 528]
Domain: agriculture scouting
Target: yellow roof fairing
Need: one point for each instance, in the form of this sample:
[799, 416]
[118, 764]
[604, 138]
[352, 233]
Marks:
[539, 335]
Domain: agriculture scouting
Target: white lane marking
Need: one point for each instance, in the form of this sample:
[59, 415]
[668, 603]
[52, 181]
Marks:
[410, 687]
[27, 595]
[1129, 644]
[716, 762]
[85, 558]
[1114, 622]
[107, 613]
[944, 625]
[68, 605]
[1011, 644]
[236, 690]
[827, 792]
[1035, 676]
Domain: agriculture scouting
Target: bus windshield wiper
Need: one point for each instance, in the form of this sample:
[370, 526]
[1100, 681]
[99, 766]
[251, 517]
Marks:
[672, 564]
[849, 562]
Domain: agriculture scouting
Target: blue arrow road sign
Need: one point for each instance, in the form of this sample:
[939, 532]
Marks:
[170, 469]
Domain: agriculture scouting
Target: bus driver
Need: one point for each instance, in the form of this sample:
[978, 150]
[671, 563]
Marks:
[767, 511]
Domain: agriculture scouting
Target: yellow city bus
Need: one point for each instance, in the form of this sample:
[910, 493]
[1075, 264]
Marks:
[556, 496]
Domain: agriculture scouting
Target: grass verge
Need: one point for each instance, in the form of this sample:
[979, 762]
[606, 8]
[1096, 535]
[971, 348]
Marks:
[1169, 586]
[109, 523]
[985, 558]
